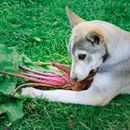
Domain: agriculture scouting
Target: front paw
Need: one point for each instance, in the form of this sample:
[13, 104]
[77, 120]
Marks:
[29, 91]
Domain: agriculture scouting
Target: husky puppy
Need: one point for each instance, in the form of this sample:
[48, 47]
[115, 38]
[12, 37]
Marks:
[94, 45]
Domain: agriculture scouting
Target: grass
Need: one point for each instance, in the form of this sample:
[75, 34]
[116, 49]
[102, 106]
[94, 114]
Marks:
[22, 22]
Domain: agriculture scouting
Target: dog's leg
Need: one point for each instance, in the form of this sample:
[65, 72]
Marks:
[87, 97]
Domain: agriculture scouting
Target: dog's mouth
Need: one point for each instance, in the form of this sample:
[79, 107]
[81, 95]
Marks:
[91, 74]
[86, 83]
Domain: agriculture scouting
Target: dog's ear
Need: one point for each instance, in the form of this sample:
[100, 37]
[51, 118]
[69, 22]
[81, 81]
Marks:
[73, 18]
[95, 38]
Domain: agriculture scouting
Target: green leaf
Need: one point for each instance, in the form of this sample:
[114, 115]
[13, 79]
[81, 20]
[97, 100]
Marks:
[10, 61]
[13, 107]
[27, 62]
[7, 85]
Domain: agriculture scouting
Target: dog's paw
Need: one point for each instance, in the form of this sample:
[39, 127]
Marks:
[28, 92]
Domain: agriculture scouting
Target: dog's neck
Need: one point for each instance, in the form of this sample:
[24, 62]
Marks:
[118, 49]
[108, 66]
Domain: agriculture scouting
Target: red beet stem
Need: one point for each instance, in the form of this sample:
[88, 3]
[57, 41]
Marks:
[30, 84]
[60, 66]
[63, 65]
[58, 79]
[37, 72]
[53, 83]
[50, 63]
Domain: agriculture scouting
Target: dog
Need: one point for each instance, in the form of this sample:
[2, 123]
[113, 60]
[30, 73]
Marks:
[94, 45]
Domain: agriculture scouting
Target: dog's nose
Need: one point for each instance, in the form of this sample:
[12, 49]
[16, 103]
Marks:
[75, 79]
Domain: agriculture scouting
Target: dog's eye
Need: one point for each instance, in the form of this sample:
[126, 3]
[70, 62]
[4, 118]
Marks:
[82, 56]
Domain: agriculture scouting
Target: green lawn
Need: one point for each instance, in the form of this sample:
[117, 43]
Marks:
[23, 21]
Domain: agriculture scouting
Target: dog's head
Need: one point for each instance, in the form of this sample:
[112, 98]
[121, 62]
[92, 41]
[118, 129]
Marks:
[87, 46]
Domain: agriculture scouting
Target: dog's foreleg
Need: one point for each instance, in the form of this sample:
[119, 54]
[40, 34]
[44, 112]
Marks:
[86, 97]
